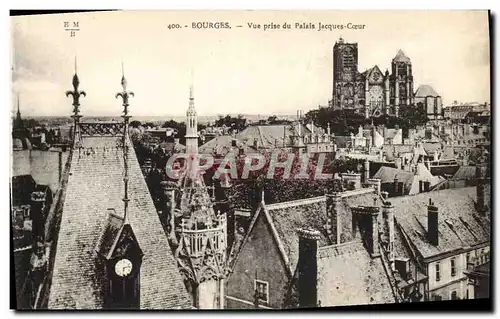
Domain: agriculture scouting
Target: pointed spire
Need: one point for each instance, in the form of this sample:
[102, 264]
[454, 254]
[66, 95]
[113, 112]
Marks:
[191, 89]
[124, 80]
[76, 80]
[18, 105]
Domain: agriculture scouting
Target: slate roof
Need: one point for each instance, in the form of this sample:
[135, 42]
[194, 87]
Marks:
[94, 185]
[310, 213]
[387, 175]
[426, 90]
[347, 275]
[465, 173]
[401, 57]
[459, 224]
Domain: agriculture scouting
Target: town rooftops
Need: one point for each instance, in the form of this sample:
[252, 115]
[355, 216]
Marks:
[310, 213]
[459, 225]
[95, 184]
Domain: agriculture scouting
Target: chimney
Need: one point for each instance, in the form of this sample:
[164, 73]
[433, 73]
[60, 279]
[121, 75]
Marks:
[375, 183]
[38, 215]
[396, 185]
[373, 135]
[308, 268]
[367, 170]
[403, 267]
[432, 223]
[427, 186]
[388, 217]
[372, 242]
[385, 195]
[482, 189]
[333, 229]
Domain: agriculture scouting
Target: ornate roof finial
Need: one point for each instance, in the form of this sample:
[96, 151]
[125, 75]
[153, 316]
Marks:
[75, 93]
[124, 94]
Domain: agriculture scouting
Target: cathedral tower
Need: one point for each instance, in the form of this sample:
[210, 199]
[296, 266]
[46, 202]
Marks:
[402, 82]
[348, 85]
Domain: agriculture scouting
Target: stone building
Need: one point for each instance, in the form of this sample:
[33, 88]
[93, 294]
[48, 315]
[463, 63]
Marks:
[372, 92]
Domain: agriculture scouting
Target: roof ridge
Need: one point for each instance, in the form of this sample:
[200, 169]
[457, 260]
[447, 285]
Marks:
[295, 202]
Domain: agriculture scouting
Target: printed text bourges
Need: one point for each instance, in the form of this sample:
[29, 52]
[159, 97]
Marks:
[320, 26]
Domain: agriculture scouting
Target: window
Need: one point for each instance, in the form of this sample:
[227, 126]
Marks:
[453, 267]
[438, 272]
[437, 297]
[262, 290]
[467, 257]
[454, 295]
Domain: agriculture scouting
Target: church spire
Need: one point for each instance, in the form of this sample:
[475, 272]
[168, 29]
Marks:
[191, 124]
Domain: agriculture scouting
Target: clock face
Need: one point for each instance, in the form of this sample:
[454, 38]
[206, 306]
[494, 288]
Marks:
[123, 267]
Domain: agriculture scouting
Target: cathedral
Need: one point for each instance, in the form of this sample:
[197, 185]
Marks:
[372, 92]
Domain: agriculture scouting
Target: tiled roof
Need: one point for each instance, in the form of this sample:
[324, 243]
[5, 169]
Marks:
[347, 275]
[459, 224]
[387, 175]
[465, 172]
[310, 213]
[270, 136]
[96, 184]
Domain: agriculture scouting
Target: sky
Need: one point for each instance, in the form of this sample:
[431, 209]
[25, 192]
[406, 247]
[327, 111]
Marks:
[237, 70]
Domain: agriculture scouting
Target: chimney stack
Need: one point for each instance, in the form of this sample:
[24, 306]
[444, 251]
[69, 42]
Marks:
[385, 195]
[373, 247]
[333, 229]
[388, 217]
[482, 187]
[367, 170]
[396, 186]
[308, 267]
[403, 267]
[432, 223]
[38, 215]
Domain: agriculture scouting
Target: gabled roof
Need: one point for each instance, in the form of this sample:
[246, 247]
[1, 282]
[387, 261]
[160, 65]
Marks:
[286, 217]
[425, 91]
[96, 184]
[347, 275]
[401, 57]
[459, 224]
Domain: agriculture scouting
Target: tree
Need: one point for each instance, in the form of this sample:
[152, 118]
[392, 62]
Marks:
[135, 124]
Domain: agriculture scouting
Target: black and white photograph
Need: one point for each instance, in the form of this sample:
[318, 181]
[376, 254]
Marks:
[256, 160]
